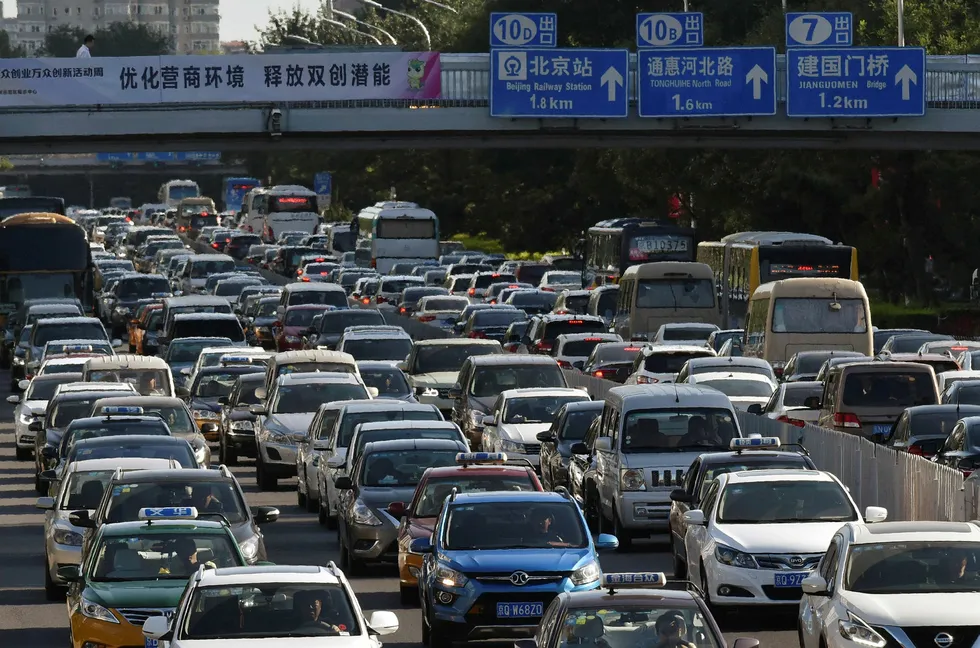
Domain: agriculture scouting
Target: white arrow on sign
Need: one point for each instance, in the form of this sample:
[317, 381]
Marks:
[757, 76]
[905, 76]
[611, 78]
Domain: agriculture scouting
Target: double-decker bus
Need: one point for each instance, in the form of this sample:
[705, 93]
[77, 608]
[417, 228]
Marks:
[235, 190]
[743, 261]
[612, 246]
[399, 232]
[43, 255]
[173, 191]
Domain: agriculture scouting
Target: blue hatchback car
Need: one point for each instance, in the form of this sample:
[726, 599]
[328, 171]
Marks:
[497, 559]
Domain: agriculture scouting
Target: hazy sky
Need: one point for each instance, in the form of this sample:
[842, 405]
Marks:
[238, 23]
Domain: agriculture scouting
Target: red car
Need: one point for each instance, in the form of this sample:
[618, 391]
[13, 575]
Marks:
[476, 472]
[290, 330]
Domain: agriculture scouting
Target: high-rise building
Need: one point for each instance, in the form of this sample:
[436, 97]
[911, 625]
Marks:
[192, 24]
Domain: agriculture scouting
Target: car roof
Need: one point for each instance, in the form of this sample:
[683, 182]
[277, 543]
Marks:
[300, 286]
[132, 438]
[942, 409]
[918, 531]
[663, 349]
[262, 574]
[377, 404]
[478, 470]
[144, 527]
[406, 425]
[781, 474]
[578, 337]
[182, 317]
[137, 400]
[653, 598]
[715, 361]
[134, 464]
[117, 418]
[510, 496]
[51, 321]
[724, 375]
[748, 456]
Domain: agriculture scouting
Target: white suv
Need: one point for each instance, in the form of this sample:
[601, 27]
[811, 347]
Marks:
[290, 605]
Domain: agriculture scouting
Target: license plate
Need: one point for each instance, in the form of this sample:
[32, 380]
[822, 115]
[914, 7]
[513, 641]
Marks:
[882, 429]
[152, 643]
[519, 610]
[792, 579]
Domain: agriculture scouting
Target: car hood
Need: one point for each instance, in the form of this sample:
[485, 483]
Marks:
[808, 538]
[263, 321]
[436, 379]
[379, 497]
[35, 406]
[505, 560]
[907, 610]
[240, 414]
[176, 367]
[294, 423]
[421, 527]
[205, 404]
[522, 432]
[357, 641]
[140, 593]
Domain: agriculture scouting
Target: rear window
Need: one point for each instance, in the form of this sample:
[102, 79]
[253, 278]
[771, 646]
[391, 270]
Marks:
[940, 366]
[934, 423]
[327, 297]
[398, 285]
[483, 281]
[580, 348]
[80, 331]
[617, 353]
[301, 316]
[230, 329]
[577, 304]
[553, 329]
[497, 317]
[889, 389]
[531, 274]
[675, 334]
[446, 304]
[795, 396]
[668, 362]
[337, 322]
[351, 420]
[968, 395]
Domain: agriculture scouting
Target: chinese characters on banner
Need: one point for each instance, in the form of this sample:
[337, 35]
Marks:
[220, 79]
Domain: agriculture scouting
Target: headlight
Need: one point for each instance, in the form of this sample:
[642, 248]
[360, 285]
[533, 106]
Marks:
[734, 558]
[26, 417]
[364, 515]
[860, 632]
[250, 548]
[450, 577]
[243, 425]
[67, 537]
[586, 574]
[278, 436]
[206, 414]
[631, 479]
[95, 611]
[511, 446]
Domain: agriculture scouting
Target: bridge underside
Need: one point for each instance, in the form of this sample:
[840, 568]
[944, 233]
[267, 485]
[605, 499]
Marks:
[238, 128]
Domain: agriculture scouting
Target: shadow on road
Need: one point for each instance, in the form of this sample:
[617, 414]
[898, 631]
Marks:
[34, 637]
[20, 596]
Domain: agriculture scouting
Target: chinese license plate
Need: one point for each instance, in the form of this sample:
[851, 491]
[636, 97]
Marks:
[152, 643]
[792, 579]
[519, 610]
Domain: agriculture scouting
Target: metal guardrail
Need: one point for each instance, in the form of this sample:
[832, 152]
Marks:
[952, 82]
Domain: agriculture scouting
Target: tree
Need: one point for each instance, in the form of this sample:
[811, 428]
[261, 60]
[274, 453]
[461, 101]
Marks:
[7, 50]
[62, 42]
[131, 39]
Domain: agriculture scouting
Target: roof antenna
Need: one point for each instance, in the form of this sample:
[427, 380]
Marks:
[677, 398]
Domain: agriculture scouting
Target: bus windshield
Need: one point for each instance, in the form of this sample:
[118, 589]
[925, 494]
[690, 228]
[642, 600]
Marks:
[819, 315]
[675, 293]
[294, 204]
[179, 192]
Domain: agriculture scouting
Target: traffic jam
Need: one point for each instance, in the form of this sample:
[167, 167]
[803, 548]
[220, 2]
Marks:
[425, 402]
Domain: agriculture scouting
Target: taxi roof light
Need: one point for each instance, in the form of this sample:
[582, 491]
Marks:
[755, 443]
[235, 359]
[634, 579]
[465, 458]
[77, 348]
[133, 410]
[168, 513]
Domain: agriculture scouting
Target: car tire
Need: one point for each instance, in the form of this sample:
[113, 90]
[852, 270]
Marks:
[39, 486]
[300, 499]
[593, 512]
[321, 515]
[623, 535]
[14, 387]
[436, 637]
[24, 454]
[680, 565]
[52, 591]
[348, 563]
[312, 505]
[409, 596]
[264, 481]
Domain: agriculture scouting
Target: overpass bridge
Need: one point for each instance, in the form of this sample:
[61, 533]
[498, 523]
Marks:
[459, 117]
[90, 164]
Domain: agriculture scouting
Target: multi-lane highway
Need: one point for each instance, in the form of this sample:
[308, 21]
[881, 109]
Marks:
[27, 620]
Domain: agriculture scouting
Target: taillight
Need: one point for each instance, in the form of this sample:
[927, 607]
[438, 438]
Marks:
[493, 301]
[380, 299]
[543, 346]
[599, 373]
[214, 245]
[478, 335]
[471, 292]
[427, 318]
[791, 421]
[306, 278]
[547, 289]
[374, 263]
[183, 229]
[646, 380]
[564, 364]
[915, 450]
[403, 310]
[366, 300]
[847, 420]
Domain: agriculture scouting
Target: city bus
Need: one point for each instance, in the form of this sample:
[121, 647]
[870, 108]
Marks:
[653, 294]
[399, 232]
[172, 192]
[31, 205]
[282, 208]
[235, 190]
[612, 246]
[743, 261]
[60, 267]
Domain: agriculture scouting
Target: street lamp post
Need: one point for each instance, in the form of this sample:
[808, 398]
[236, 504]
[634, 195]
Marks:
[440, 5]
[425, 31]
[355, 19]
[901, 22]
[337, 23]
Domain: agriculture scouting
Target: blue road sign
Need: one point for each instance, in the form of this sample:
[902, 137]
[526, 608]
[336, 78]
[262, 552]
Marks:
[198, 156]
[707, 82]
[559, 83]
[534, 29]
[156, 157]
[113, 157]
[833, 29]
[670, 29]
[323, 183]
[856, 82]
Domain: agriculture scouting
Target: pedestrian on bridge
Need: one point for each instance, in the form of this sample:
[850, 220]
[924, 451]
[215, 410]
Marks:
[85, 51]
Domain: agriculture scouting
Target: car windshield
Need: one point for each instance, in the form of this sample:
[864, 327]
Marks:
[181, 453]
[779, 502]
[437, 489]
[160, 556]
[934, 567]
[676, 625]
[577, 424]
[536, 409]
[889, 389]
[70, 312]
[148, 382]
[233, 287]
[678, 430]
[389, 286]
[48, 368]
[301, 317]
[270, 610]
[400, 468]
[453, 304]
[360, 440]
[681, 334]
[298, 399]
[266, 309]
[44, 389]
[774, 463]
[795, 396]
[389, 382]
[246, 395]
[616, 352]
[514, 524]
[671, 362]
[77, 331]
[437, 358]
[96, 430]
[211, 498]
[142, 287]
[187, 351]
[531, 299]
[326, 297]
[337, 322]
[207, 327]
[84, 490]
[675, 294]
[67, 411]
[177, 418]
[352, 419]
[393, 348]
[490, 381]
[565, 278]
[735, 387]
[211, 386]
[819, 315]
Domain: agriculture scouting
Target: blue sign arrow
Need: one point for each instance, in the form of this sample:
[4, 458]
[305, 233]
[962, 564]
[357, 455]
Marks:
[831, 29]
[569, 83]
[670, 29]
[323, 183]
[856, 82]
[533, 29]
[707, 82]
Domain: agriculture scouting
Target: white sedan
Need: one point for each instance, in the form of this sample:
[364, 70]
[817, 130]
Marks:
[743, 389]
[759, 533]
[32, 405]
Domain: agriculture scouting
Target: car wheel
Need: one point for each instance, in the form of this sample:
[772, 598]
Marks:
[680, 564]
[593, 514]
[39, 487]
[410, 595]
[23, 454]
[312, 504]
[52, 591]
[321, 515]
[300, 498]
[623, 535]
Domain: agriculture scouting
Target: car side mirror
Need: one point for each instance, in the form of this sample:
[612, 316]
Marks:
[265, 514]
[257, 410]
[579, 364]
[814, 585]
[489, 420]
[24, 384]
[71, 574]
[680, 495]
[209, 428]
[812, 402]
[383, 622]
[525, 643]
[455, 392]
[116, 343]
[343, 483]
[335, 462]
[373, 392]
[746, 642]
[606, 542]
[36, 426]
[579, 448]
[182, 392]
[49, 452]
[695, 518]
[13, 399]
[155, 627]
[403, 366]
[421, 546]
[321, 445]
[44, 503]
[874, 514]
[603, 444]
[81, 519]
[261, 393]
[755, 408]
[397, 509]
[548, 436]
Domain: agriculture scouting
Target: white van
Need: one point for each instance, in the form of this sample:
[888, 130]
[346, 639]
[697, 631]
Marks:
[150, 375]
